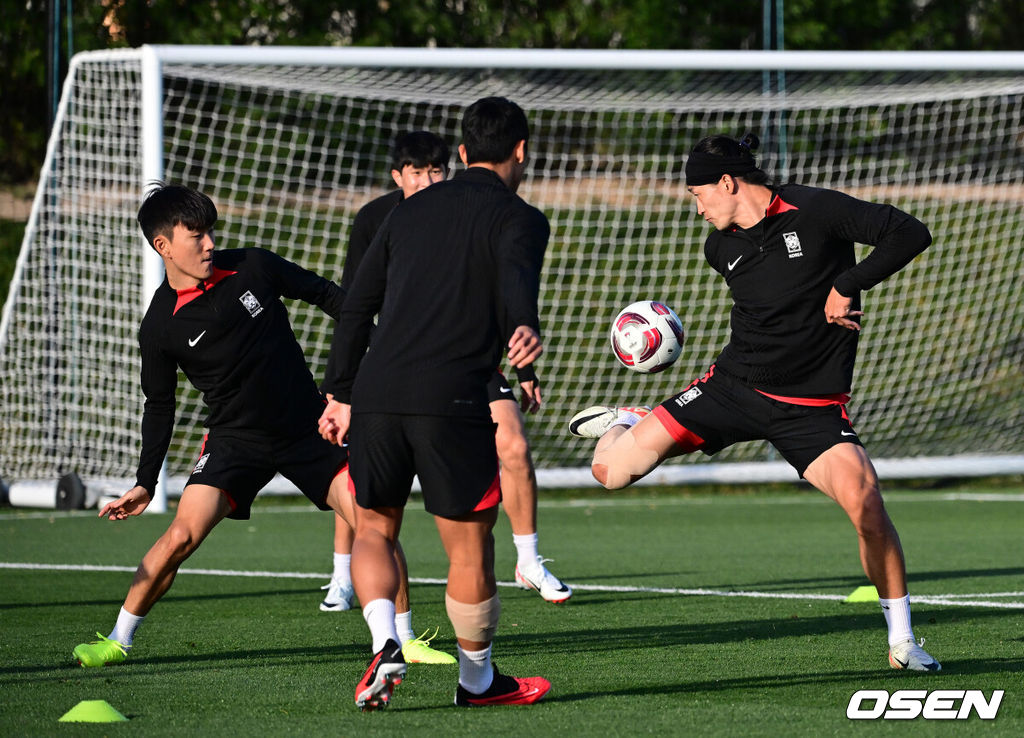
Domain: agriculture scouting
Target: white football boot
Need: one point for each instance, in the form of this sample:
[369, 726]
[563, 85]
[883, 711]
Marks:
[596, 420]
[909, 655]
[548, 586]
[339, 596]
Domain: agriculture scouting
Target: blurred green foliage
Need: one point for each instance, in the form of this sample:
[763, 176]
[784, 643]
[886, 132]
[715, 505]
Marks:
[635, 24]
[11, 233]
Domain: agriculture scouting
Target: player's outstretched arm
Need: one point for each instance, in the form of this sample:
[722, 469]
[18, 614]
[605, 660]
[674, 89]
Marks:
[132, 502]
[524, 347]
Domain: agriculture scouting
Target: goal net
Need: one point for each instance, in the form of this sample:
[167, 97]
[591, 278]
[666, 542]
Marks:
[290, 143]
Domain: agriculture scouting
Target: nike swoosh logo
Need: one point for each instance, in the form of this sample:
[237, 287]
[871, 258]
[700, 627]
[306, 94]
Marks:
[193, 341]
[505, 389]
[532, 692]
[903, 664]
[844, 433]
[732, 264]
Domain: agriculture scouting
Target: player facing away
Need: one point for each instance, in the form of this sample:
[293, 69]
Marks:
[787, 255]
[218, 316]
[454, 275]
[418, 160]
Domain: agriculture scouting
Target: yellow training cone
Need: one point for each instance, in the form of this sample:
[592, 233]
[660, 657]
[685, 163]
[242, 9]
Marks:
[863, 594]
[92, 711]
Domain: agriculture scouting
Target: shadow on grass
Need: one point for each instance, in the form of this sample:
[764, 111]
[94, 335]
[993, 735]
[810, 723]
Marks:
[683, 634]
[194, 661]
[814, 679]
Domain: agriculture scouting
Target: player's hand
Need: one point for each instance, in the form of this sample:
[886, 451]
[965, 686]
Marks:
[334, 422]
[837, 310]
[529, 398]
[132, 502]
[524, 347]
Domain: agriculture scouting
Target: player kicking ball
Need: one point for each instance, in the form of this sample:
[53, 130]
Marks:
[218, 316]
[787, 255]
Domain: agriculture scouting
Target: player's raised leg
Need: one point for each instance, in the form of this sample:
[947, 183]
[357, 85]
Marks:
[845, 473]
[471, 599]
[200, 509]
[632, 442]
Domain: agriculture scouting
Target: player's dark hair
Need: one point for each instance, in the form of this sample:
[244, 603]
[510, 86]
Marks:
[491, 129]
[168, 205]
[420, 149]
[733, 153]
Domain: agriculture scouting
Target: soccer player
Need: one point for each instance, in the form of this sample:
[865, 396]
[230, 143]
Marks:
[787, 255]
[218, 315]
[454, 275]
[418, 160]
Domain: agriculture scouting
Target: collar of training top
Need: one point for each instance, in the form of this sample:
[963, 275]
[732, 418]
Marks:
[188, 295]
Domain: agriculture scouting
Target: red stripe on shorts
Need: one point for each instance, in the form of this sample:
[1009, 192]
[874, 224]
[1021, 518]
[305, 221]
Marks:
[840, 399]
[686, 439]
[491, 497]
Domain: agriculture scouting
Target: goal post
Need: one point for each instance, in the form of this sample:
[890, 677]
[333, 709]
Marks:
[291, 141]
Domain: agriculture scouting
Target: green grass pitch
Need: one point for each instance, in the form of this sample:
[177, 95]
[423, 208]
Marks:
[654, 641]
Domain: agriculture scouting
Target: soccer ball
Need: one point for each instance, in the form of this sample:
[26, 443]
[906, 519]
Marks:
[647, 336]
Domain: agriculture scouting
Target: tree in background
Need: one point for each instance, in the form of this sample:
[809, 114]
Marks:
[637, 24]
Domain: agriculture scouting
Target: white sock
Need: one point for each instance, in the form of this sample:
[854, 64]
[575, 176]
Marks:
[475, 672]
[342, 568]
[403, 624]
[526, 546]
[380, 617]
[125, 627]
[627, 418]
[897, 617]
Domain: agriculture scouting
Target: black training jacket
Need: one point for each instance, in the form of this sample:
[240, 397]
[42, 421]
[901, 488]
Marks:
[780, 273]
[232, 338]
[365, 226]
[451, 271]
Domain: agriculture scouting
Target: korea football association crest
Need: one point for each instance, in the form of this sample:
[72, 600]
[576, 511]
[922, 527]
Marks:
[688, 396]
[201, 463]
[251, 303]
[793, 247]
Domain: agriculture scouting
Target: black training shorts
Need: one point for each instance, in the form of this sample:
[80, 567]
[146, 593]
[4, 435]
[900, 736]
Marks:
[498, 388]
[720, 411]
[242, 463]
[454, 457]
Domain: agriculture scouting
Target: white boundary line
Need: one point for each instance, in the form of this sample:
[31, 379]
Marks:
[954, 600]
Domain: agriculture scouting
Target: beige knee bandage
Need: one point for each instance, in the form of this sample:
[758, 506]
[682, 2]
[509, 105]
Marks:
[625, 461]
[477, 622]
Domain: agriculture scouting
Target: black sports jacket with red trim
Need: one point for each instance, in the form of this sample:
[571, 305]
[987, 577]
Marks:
[232, 338]
[780, 272]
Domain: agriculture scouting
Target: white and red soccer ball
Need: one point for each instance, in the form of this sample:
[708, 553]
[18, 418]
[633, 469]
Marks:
[647, 336]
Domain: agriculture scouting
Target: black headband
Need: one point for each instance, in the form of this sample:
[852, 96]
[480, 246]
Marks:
[702, 168]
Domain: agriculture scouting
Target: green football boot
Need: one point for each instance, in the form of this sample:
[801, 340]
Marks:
[418, 651]
[101, 652]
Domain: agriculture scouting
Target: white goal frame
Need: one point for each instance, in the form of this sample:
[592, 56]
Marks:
[154, 58]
